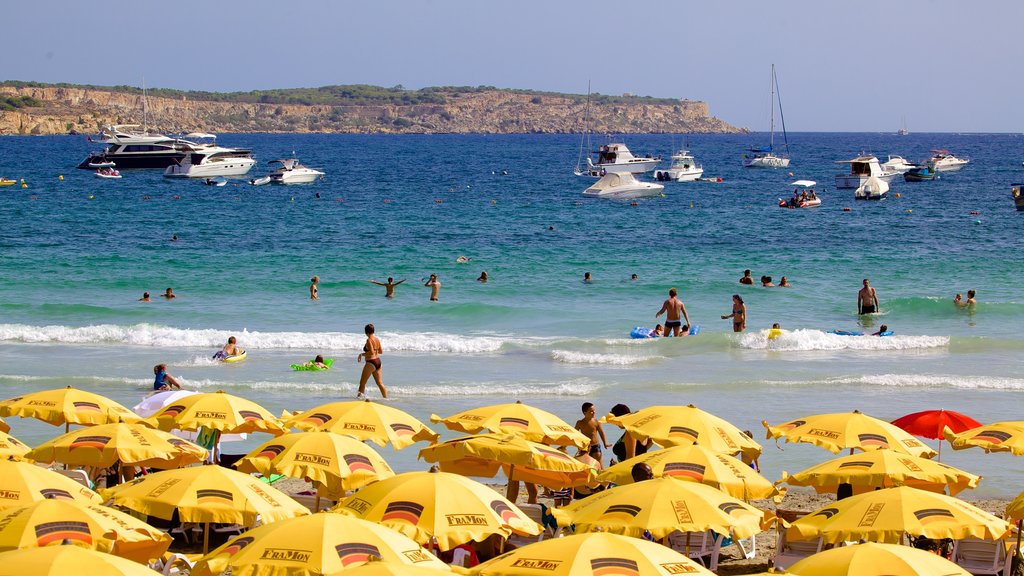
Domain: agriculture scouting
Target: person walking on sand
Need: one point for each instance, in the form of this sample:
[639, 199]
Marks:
[314, 292]
[867, 299]
[435, 287]
[672, 308]
[591, 428]
[163, 380]
[169, 294]
[389, 286]
[371, 353]
[739, 314]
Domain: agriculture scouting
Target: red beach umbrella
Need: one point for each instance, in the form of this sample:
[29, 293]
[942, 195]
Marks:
[931, 423]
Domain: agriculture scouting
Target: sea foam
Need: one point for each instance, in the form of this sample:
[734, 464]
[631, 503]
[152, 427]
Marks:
[800, 340]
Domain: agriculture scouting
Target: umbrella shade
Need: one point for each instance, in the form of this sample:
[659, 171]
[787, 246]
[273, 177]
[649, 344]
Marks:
[870, 559]
[886, 515]
[108, 444]
[64, 560]
[205, 494]
[588, 554]
[437, 505]
[11, 447]
[883, 469]
[65, 406]
[22, 483]
[219, 411]
[534, 424]
[93, 526]
[931, 423]
[364, 420]
[484, 455]
[337, 462]
[311, 545]
[661, 506]
[696, 464]
[685, 425]
[849, 430]
[391, 569]
[4, 427]
[996, 437]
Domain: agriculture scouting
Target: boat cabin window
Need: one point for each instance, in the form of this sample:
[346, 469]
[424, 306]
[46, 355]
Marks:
[861, 168]
[607, 157]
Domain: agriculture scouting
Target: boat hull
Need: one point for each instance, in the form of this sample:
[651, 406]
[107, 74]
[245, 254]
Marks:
[856, 180]
[805, 204]
[290, 178]
[641, 166]
[671, 175]
[626, 192]
[132, 161]
[232, 167]
[765, 162]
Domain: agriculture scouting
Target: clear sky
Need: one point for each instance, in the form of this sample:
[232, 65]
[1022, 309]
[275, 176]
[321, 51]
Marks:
[947, 66]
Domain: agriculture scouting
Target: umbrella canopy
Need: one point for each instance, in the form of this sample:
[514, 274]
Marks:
[129, 444]
[696, 464]
[312, 545]
[685, 425]
[883, 469]
[67, 406]
[870, 559]
[391, 569]
[886, 515]
[11, 447]
[437, 505]
[337, 462]
[931, 423]
[205, 494]
[157, 400]
[364, 420]
[4, 427]
[219, 411]
[849, 430]
[1015, 509]
[22, 483]
[661, 506]
[50, 522]
[484, 455]
[589, 554]
[995, 437]
[64, 560]
[531, 423]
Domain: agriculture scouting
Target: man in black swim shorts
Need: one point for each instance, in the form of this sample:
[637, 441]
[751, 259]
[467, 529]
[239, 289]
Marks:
[867, 299]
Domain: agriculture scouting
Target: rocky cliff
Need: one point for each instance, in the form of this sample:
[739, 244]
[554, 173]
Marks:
[58, 110]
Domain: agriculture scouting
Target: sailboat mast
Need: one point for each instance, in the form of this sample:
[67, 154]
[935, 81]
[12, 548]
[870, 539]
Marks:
[771, 98]
[145, 109]
[586, 130]
[782, 117]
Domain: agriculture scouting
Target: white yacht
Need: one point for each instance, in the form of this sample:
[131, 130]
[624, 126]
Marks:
[897, 164]
[683, 169]
[943, 161]
[765, 156]
[617, 158]
[861, 169]
[873, 188]
[209, 160]
[129, 147]
[291, 172]
[622, 186]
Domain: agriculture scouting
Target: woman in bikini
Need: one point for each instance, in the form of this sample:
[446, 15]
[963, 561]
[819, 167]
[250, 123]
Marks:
[739, 314]
[371, 353]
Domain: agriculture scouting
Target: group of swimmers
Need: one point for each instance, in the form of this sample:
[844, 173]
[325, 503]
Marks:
[389, 287]
[168, 294]
[766, 281]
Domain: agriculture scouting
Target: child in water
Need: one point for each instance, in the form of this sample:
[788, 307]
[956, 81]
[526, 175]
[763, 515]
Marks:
[319, 362]
[163, 380]
[775, 332]
[230, 349]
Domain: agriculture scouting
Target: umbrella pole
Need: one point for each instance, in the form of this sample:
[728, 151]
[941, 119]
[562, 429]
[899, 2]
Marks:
[206, 538]
[511, 490]
[1016, 549]
[940, 450]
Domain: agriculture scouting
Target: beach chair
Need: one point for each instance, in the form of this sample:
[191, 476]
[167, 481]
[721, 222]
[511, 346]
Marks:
[79, 476]
[788, 552]
[177, 564]
[981, 556]
[701, 546]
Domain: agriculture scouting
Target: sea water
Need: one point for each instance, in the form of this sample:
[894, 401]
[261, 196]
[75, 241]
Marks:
[76, 254]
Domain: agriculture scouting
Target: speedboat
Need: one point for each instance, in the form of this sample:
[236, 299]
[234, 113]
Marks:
[861, 169]
[217, 181]
[920, 174]
[622, 186]
[214, 161]
[129, 147]
[617, 158]
[683, 169]
[107, 173]
[291, 172]
[1018, 197]
[943, 161]
[874, 188]
[6, 182]
[803, 196]
[99, 165]
[260, 181]
[897, 164]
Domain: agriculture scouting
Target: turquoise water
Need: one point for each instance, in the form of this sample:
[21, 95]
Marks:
[75, 255]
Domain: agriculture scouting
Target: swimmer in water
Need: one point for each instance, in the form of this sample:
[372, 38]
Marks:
[775, 332]
[881, 330]
[230, 349]
[169, 294]
[784, 283]
[483, 277]
[435, 287]
[163, 380]
[145, 297]
[970, 298]
[747, 279]
[389, 286]
[314, 293]
[959, 301]
[463, 259]
[586, 278]
[867, 299]
[739, 314]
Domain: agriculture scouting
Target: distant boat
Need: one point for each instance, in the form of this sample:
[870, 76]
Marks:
[1018, 197]
[873, 188]
[622, 186]
[897, 164]
[943, 161]
[862, 168]
[805, 198]
[765, 157]
[291, 172]
[903, 129]
[920, 174]
[683, 169]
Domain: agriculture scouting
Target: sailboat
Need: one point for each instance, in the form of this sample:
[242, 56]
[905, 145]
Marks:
[903, 129]
[584, 137]
[765, 157]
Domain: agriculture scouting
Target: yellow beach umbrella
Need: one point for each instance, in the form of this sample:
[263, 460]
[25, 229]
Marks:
[338, 463]
[1015, 509]
[438, 506]
[849, 430]
[317, 544]
[486, 454]
[696, 463]
[870, 559]
[225, 413]
[661, 506]
[882, 469]
[64, 560]
[67, 406]
[686, 425]
[105, 445]
[592, 554]
[531, 423]
[364, 420]
[886, 515]
[22, 483]
[11, 447]
[995, 437]
[4, 427]
[93, 526]
[374, 568]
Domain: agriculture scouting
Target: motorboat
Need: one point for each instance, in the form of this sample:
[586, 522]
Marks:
[683, 169]
[1018, 197]
[897, 164]
[874, 188]
[943, 161]
[99, 165]
[291, 172]
[107, 173]
[213, 161]
[217, 181]
[803, 196]
[920, 174]
[765, 157]
[6, 182]
[260, 181]
[862, 168]
[616, 157]
[129, 147]
[622, 186]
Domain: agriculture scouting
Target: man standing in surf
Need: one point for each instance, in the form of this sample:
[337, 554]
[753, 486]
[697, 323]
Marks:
[673, 308]
[867, 300]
